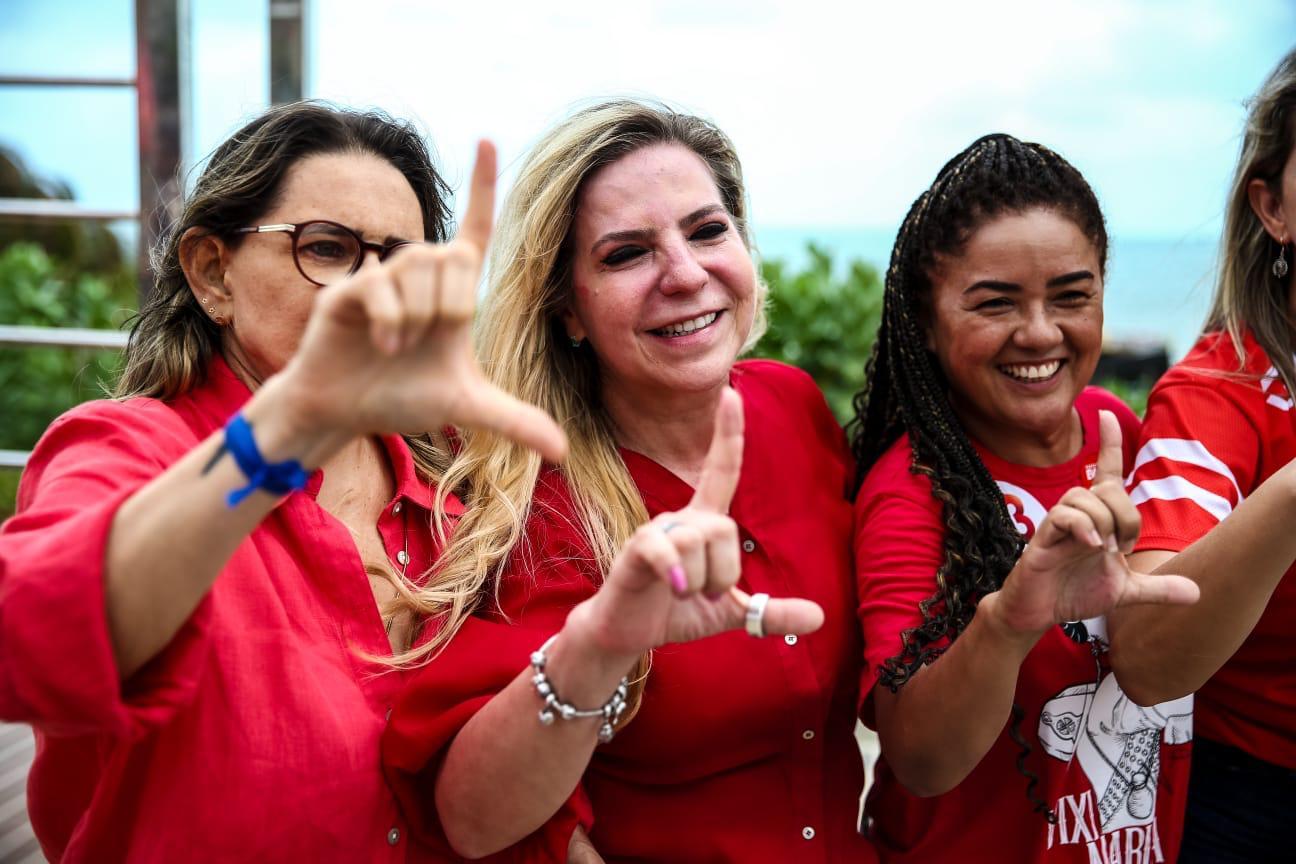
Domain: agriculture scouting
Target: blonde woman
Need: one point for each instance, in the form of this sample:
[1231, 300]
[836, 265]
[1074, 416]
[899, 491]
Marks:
[1216, 486]
[186, 636]
[622, 292]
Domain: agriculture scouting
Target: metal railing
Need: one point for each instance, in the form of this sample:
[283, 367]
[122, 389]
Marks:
[53, 337]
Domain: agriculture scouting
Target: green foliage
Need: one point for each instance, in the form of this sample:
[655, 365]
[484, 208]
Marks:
[38, 384]
[824, 321]
[1133, 394]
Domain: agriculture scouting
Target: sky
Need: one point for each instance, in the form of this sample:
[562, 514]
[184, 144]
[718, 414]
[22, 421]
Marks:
[842, 113]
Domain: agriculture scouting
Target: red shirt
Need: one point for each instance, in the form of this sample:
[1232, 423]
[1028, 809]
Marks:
[253, 736]
[744, 749]
[1115, 774]
[1211, 437]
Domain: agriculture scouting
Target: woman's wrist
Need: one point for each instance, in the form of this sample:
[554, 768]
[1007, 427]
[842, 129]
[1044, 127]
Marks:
[582, 663]
[999, 625]
[289, 424]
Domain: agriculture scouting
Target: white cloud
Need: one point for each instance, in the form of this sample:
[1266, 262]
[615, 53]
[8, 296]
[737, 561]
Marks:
[842, 112]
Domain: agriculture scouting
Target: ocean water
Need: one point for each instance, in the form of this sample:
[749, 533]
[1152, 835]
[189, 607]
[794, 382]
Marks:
[1158, 289]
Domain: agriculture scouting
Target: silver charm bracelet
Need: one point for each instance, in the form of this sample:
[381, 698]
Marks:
[610, 711]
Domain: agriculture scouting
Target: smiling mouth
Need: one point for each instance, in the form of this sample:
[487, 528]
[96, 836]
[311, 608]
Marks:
[683, 328]
[1032, 373]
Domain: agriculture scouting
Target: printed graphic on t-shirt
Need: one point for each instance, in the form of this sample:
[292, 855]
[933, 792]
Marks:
[1118, 746]
[1116, 743]
[1024, 508]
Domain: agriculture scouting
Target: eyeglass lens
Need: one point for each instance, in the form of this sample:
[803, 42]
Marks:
[327, 253]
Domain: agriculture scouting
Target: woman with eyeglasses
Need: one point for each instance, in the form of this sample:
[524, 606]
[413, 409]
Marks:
[194, 592]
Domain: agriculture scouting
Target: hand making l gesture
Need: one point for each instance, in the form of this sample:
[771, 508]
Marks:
[389, 349]
[676, 579]
[1074, 567]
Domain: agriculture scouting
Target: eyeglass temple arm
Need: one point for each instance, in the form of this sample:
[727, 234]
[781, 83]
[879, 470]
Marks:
[262, 229]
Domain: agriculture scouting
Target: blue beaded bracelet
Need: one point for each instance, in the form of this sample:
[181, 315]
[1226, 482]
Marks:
[277, 478]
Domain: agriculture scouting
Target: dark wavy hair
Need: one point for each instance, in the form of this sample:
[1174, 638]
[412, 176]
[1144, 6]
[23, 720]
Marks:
[906, 392]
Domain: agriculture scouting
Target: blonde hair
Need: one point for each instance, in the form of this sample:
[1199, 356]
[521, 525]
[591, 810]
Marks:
[524, 349]
[1247, 295]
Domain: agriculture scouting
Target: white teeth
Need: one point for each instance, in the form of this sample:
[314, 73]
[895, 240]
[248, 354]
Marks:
[1025, 372]
[689, 326]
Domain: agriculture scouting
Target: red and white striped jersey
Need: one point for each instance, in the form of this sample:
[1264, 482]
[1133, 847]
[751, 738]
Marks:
[1213, 433]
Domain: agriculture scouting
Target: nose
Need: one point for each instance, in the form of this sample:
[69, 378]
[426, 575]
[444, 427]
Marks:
[1037, 330]
[682, 272]
[369, 256]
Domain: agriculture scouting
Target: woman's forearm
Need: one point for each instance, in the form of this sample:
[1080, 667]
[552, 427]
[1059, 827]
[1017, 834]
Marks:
[1163, 653]
[171, 539]
[506, 774]
[943, 721]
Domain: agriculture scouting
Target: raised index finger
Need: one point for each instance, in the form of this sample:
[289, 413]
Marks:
[723, 465]
[1111, 457]
[476, 225]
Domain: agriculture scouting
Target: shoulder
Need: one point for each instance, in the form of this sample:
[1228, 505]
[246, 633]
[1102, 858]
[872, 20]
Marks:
[148, 424]
[109, 441]
[771, 376]
[1211, 384]
[771, 388]
[892, 477]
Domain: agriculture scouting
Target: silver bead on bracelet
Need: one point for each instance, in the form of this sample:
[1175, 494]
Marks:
[611, 710]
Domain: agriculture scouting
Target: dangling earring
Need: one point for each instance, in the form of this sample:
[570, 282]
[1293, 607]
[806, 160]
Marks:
[1280, 263]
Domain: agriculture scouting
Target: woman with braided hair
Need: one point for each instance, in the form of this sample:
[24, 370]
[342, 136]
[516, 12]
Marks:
[991, 527]
[1213, 482]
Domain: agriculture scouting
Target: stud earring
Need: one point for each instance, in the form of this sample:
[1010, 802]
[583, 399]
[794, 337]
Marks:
[1280, 263]
[575, 343]
[211, 310]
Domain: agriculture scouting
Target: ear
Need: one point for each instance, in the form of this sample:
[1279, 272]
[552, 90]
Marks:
[203, 258]
[572, 324]
[1268, 208]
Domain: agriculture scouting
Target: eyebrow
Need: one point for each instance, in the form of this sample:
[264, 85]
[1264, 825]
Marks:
[1055, 282]
[643, 234]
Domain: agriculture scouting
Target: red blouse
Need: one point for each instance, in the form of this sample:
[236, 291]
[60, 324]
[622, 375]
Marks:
[254, 735]
[744, 749]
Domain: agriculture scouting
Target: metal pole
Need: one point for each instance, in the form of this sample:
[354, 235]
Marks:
[158, 81]
[285, 51]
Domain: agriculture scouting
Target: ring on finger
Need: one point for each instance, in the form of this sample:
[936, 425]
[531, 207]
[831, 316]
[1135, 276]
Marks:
[754, 620]
[669, 526]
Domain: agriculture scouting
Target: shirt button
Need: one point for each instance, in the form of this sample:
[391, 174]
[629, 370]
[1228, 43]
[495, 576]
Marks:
[807, 832]
[402, 557]
[749, 545]
[393, 836]
[396, 508]
[808, 734]
[790, 639]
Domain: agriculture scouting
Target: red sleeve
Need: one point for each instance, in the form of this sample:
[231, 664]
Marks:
[1198, 455]
[898, 549]
[481, 660]
[57, 669]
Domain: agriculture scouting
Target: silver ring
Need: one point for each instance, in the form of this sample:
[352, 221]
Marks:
[754, 620]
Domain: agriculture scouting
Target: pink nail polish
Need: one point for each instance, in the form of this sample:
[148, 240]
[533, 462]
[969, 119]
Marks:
[678, 580]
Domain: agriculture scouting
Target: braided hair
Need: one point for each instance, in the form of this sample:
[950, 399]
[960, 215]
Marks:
[906, 392]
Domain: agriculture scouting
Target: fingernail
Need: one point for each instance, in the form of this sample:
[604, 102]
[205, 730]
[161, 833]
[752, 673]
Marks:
[391, 342]
[1094, 539]
[678, 580]
[1112, 545]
